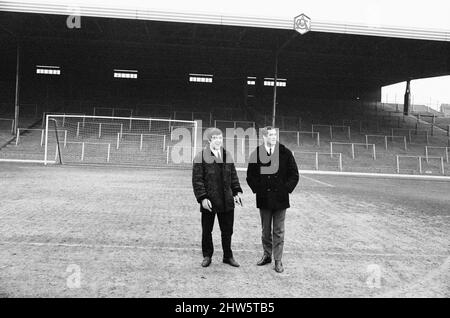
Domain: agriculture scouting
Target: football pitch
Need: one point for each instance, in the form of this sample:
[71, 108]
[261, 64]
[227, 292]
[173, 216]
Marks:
[75, 231]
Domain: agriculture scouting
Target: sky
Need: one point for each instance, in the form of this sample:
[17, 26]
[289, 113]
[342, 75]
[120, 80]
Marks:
[432, 92]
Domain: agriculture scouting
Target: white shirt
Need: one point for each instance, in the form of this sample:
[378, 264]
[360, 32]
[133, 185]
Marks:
[270, 149]
[216, 153]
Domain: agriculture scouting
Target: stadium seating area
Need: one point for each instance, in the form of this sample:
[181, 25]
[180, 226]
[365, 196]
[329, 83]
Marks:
[324, 135]
[370, 123]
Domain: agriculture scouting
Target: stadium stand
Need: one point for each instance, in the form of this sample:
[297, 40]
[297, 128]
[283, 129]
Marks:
[310, 134]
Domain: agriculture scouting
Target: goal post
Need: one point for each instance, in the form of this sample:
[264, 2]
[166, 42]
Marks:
[58, 152]
[88, 139]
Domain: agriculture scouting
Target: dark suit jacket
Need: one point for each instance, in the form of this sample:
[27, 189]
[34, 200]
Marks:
[217, 181]
[272, 189]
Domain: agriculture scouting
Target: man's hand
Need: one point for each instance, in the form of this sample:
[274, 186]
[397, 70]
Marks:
[237, 199]
[206, 204]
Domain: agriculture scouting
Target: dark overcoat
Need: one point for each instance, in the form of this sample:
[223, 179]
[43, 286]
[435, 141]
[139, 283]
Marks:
[273, 177]
[216, 180]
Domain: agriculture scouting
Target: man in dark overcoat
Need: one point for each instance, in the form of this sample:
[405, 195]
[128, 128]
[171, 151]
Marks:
[216, 188]
[272, 174]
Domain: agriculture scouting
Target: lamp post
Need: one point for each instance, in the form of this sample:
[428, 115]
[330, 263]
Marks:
[302, 25]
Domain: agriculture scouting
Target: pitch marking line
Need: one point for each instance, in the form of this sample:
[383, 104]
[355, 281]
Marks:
[27, 161]
[367, 174]
[320, 182]
[256, 250]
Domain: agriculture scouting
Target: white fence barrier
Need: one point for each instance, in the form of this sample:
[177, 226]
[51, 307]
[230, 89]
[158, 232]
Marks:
[385, 137]
[353, 144]
[419, 160]
[316, 154]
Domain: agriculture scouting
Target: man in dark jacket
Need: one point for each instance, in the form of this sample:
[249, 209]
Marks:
[216, 188]
[272, 174]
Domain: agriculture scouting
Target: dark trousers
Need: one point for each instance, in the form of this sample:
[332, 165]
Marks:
[226, 220]
[273, 241]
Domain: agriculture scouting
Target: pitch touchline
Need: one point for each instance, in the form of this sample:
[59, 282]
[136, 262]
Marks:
[368, 174]
[320, 182]
[305, 252]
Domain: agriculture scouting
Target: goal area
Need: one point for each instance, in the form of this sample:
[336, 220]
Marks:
[85, 139]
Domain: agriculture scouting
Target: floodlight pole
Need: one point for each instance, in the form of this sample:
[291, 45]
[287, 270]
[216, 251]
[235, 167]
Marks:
[16, 102]
[277, 53]
[274, 110]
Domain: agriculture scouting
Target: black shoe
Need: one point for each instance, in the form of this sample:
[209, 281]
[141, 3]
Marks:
[206, 261]
[279, 267]
[231, 261]
[266, 259]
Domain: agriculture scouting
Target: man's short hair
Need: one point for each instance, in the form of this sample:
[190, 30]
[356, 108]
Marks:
[213, 131]
[265, 130]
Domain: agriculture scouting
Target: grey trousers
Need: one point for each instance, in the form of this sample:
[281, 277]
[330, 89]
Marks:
[273, 241]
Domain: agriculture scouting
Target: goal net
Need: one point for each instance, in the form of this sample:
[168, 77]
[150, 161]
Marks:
[78, 139]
